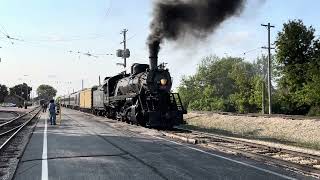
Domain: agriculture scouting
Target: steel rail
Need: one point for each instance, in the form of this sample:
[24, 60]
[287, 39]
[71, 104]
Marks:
[262, 155]
[313, 156]
[16, 118]
[16, 114]
[18, 128]
[253, 154]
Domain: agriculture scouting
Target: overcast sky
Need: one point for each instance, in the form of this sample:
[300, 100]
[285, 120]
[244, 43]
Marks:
[48, 30]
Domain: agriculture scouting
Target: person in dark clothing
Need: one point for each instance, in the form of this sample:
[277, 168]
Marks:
[52, 111]
[44, 107]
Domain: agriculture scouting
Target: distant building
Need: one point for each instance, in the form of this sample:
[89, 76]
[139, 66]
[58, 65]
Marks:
[15, 99]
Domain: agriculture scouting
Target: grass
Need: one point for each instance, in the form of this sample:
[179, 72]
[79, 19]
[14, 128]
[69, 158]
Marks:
[301, 133]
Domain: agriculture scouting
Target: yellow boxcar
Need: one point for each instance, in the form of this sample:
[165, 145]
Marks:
[86, 99]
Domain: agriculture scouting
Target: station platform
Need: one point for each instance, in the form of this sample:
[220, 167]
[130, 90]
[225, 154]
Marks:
[84, 147]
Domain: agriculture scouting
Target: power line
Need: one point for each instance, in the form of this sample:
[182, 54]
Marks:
[3, 31]
[38, 44]
[109, 9]
[251, 50]
[248, 51]
[7, 36]
[69, 39]
[132, 36]
[90, 54]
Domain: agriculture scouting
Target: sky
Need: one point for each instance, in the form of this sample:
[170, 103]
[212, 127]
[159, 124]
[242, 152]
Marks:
[47, 30]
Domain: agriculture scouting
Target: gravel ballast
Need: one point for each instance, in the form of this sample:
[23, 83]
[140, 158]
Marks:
[303, 133]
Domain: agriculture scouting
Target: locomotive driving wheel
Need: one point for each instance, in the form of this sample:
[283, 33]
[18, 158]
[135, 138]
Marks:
[136, 114]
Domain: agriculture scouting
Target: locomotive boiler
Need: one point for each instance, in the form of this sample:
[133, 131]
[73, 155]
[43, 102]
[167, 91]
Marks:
[143, 97]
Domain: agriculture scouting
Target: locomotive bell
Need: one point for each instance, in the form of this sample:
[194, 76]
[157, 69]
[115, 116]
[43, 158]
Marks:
[163, 82]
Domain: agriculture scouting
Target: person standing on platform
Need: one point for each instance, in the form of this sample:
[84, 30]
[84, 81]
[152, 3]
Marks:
[44, 107]
[52, 111]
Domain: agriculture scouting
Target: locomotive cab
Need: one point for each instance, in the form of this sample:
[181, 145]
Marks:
[137, 68]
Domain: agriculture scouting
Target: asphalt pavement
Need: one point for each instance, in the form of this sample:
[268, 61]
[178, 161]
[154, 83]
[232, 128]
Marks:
[84, 148]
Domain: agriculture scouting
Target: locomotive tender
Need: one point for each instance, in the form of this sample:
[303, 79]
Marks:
[142, 97]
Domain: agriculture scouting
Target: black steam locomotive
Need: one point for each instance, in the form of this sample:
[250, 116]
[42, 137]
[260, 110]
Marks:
[144, 96]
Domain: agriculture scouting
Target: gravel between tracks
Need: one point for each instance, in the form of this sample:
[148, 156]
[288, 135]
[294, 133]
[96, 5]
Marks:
[9, 158]
[4, 116]
[282, 132]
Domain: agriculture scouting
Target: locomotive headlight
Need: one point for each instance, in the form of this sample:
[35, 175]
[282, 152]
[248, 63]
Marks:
[163, 82]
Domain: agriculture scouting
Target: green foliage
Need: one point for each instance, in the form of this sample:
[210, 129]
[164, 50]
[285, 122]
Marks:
[223, 84]
[46, 92]
[22, 90]
[3, 92]
[231, 84]
[298, 59]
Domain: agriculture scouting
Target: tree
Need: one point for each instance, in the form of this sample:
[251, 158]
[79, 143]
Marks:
[243, 74]
[298, 59]
[22, 90]
[311, 90]
[3, 92]
[210, 87]
[46, 92]
[222, 84]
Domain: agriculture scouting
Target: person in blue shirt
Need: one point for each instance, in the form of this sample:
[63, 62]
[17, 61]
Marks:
[52, 111]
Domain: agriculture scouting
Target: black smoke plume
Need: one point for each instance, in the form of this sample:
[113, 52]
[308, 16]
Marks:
[173, 19]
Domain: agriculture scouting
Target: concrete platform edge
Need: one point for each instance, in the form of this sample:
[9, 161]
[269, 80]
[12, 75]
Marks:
[24, 148]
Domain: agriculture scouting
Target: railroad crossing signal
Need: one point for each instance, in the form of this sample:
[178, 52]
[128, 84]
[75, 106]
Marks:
[124, 53]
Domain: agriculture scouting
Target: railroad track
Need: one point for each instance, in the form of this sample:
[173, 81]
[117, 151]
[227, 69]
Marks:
[292, 159]
[9, 129]
[5, 119]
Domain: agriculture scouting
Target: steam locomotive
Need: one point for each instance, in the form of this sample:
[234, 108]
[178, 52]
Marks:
[142, 97]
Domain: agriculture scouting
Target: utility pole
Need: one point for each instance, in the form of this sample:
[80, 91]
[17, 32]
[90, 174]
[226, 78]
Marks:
[263, 76]
[28, 97]
[124, 32]
[263, 95]
[82, 84]
[124, 53]
[269, 65]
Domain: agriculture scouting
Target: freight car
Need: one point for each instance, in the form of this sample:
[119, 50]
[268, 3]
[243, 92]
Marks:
[71, 100]
[42, 102]
[86, 100]
[74, 102]
[98, 98]
[63, 101]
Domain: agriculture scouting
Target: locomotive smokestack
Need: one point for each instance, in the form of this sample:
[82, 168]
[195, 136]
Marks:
[153, 62]
[175, 19]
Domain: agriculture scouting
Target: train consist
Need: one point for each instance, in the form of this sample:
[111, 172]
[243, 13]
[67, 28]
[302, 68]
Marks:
[142, 97]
